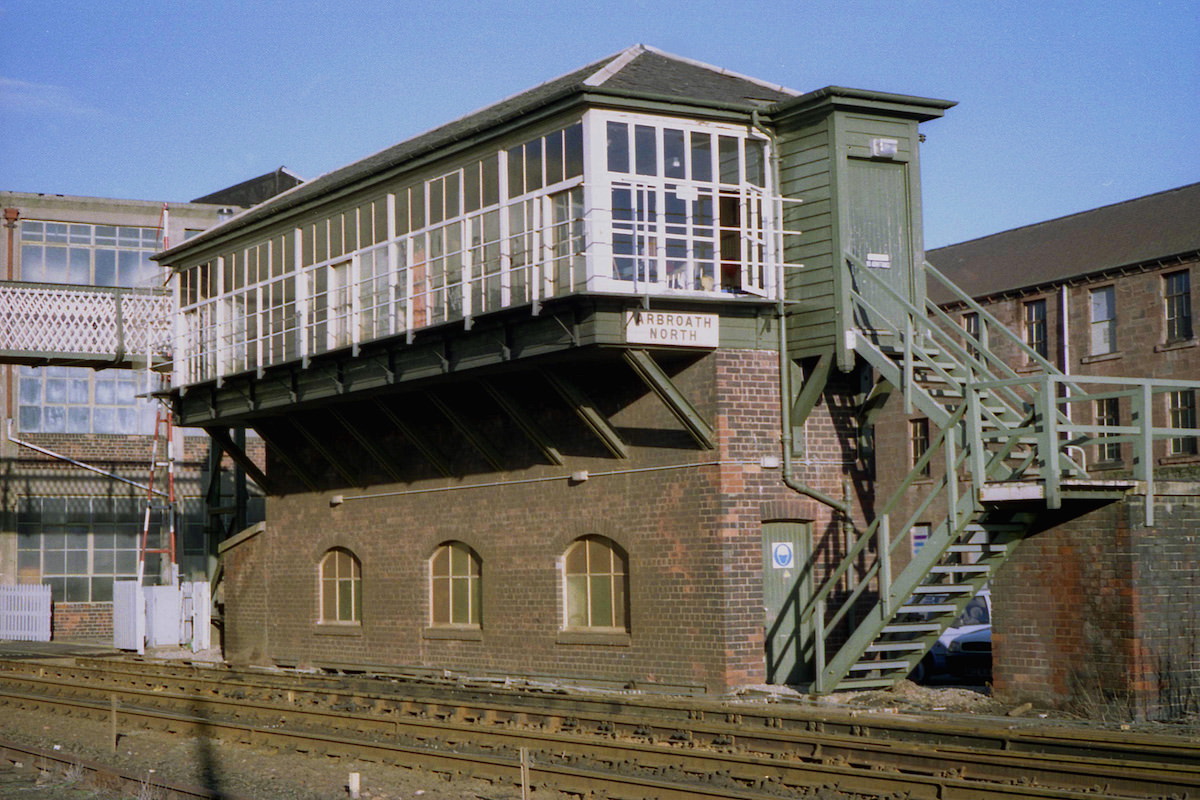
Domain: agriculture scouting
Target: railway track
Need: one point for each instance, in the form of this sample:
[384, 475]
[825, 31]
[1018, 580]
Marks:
[26, 769]
[624, 746]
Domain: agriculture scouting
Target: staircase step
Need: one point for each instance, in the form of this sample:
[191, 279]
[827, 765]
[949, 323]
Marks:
[949, 588]
[912, 627]
[892, 647]
[982, 547]
[864, 666]
[950, 569]
[926, 608]
[866, 683]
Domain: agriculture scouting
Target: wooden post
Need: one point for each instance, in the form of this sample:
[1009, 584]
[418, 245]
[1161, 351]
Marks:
[113, 720]
[524, 773]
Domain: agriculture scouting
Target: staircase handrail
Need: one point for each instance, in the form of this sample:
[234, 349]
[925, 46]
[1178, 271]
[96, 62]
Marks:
[865, 536]
[920, 320]
[985, 316]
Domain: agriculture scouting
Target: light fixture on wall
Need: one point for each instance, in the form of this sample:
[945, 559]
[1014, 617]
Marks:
[885, 148]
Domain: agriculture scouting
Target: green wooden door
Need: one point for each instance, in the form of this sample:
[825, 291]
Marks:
[787, 585]
[880, 236]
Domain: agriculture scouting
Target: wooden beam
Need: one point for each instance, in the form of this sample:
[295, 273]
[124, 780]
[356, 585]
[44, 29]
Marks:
[524, 422]
[326, 452]
[222, 439]
[431, 453]
[476, 439]
[582, 405]
[368, 444]
[657, 379]
[288, 461]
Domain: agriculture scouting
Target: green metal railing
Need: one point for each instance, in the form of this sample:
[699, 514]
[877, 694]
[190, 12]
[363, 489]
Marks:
[996, 427]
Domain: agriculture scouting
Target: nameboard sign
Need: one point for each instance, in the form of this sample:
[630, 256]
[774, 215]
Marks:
[672, 328]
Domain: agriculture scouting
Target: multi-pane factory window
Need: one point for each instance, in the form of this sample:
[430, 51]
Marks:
[80, 400]
[78, 545]
[1108, 413]
[1177, 294]
[97, 255]
[918, 444]
[1181, 412]
[595, 576]
[1034, 319]
[1103, 310]
[455, 585]
[341, 588]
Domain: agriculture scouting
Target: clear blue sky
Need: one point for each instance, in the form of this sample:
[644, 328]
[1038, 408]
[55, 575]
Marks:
[1063, 106]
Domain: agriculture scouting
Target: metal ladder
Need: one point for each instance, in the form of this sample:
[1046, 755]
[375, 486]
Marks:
[161, 510]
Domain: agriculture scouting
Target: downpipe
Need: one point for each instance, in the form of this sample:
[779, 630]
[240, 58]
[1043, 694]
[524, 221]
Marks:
[785, 361]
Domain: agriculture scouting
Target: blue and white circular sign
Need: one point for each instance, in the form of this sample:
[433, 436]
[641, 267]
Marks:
[783, 555]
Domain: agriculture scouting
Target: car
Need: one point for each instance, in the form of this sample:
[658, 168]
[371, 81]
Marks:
[964, 650]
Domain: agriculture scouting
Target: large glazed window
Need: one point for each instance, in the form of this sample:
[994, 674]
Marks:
[99, 255]
[455, 586]
[595, 581]
[341, 588]
[613, 203]
[688, 207]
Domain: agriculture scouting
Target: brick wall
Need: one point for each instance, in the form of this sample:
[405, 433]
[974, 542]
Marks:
[1102, 614]
[88, 622]
[691, 528]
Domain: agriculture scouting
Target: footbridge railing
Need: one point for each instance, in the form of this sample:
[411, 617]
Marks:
[48, 324]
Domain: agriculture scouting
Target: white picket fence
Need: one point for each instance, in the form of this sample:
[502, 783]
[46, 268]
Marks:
[25, 613]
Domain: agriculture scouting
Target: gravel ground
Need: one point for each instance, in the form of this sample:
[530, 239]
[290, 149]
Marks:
[256, 772]
[241, 770]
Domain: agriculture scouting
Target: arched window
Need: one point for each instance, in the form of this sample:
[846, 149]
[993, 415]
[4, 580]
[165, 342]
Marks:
[341, 587]
[454, 580]
[594, 585]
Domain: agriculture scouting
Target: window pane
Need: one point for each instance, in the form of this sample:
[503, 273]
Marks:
[728, 151]
[516, 171]
[329, 600]
[460, 600]
[602, 605]
[441, 601]
[618, 147]
[533, 165]
[646, 148]
[674, 165]
[573, 146]
[554, 158]
[577, 601]
[441, 561]
[576, 562]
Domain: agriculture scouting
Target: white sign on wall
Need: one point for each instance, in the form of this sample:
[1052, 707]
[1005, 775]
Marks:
[783, 555]
[672, 328]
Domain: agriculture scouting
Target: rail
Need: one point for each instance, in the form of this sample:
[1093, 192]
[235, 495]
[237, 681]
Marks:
[74, 325]
[626, 746]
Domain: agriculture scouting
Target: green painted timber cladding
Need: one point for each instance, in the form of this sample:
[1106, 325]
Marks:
[849, 200]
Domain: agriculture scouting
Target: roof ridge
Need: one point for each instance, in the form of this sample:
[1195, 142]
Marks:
[1068, 216]
[618, 63]
[722, 71]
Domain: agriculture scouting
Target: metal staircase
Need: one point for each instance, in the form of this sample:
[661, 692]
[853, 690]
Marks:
[1007, 450]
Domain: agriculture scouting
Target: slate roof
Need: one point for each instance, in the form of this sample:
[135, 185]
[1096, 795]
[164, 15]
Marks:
[254, 191]
[1146, 229]
[636, 71]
